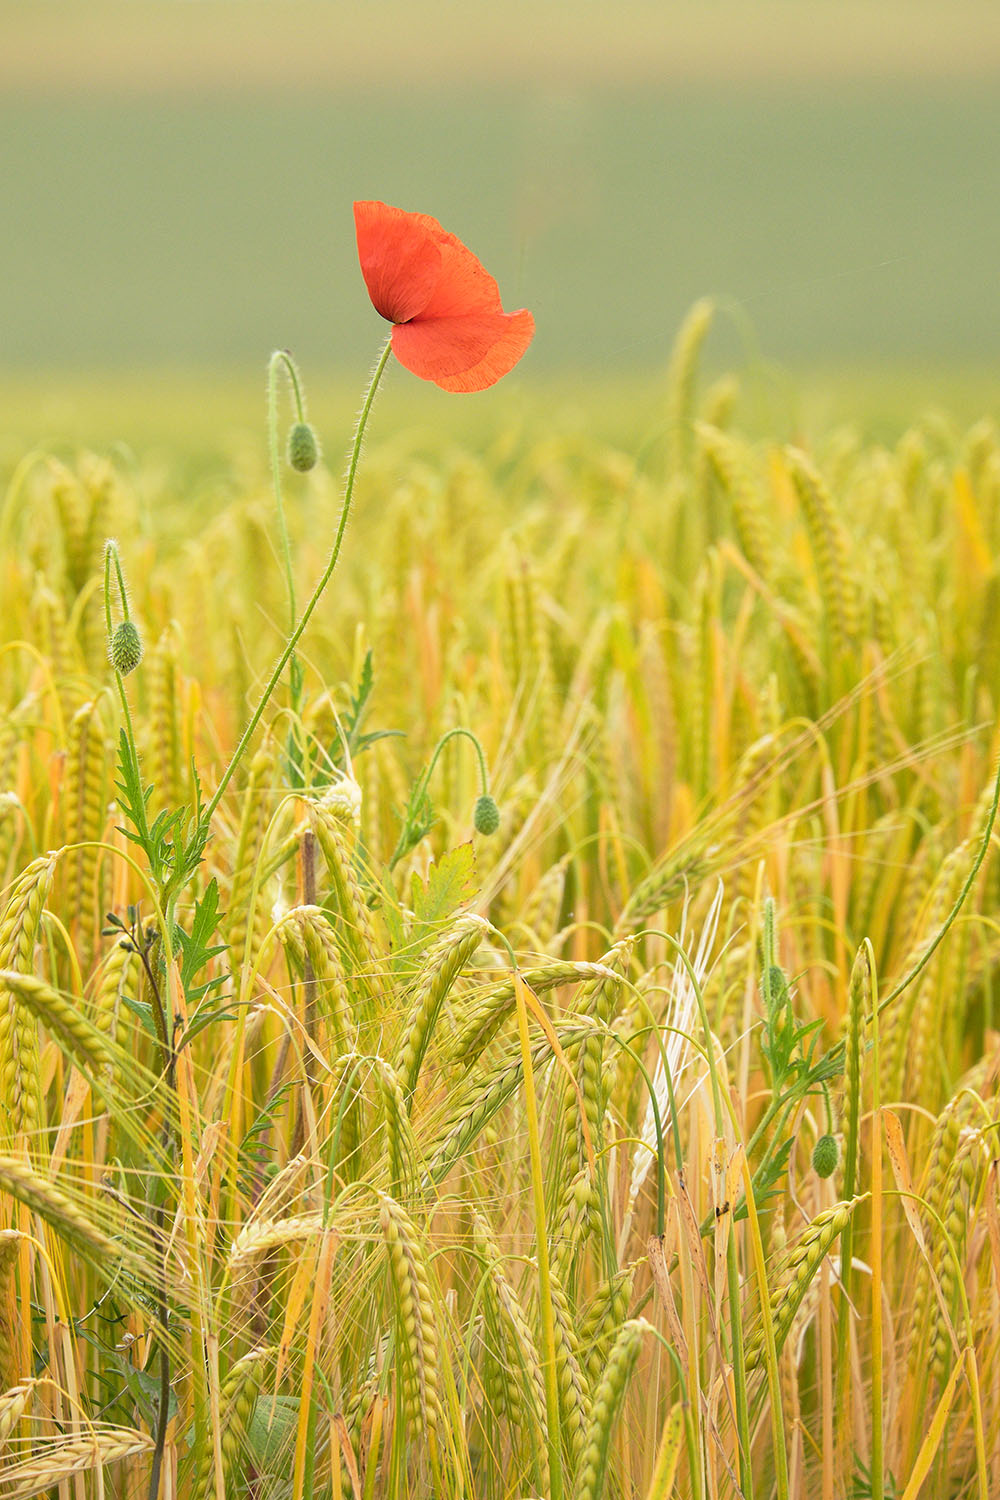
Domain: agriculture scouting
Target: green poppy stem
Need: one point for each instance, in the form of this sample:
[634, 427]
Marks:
[306, 616]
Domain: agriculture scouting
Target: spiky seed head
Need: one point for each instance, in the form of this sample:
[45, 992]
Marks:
[126, 648]
[303, 449]
[486, 818]
[826, 1155]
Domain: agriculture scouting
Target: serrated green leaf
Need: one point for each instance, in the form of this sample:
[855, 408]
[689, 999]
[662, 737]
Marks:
[196, 948]
[359, 701]
[451, 881]
[766, 1178]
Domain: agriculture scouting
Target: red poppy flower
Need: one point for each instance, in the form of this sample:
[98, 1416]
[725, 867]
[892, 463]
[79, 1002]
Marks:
[449, 326]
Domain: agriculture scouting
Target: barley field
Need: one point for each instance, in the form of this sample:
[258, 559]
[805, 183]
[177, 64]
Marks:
[559, 1056]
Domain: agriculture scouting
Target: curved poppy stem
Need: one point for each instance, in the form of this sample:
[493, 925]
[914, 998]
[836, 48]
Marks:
[296, 635]
[282, 357]
[406, 841]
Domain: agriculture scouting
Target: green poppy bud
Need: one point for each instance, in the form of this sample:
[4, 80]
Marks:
[778, 987]
[303, 450]
[826, 1155]
[486, 818]
[126, 648]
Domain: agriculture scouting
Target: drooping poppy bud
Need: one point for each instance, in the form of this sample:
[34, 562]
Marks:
[303, 449]
[126, 648]
[486, 817]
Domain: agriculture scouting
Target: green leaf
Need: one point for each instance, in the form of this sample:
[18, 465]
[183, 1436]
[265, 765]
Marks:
[359, 702]
[451, 881]
[362, 741]
[196, 947]
[208, 1015]
[130, 791]
[271, 1430]
[766, 1177]
[143, 1011]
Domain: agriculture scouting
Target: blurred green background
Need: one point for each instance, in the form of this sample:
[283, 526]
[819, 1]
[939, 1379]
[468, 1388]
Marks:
[178, 176]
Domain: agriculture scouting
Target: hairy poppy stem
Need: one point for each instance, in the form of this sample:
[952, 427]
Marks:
[294, 638]
[282, 357]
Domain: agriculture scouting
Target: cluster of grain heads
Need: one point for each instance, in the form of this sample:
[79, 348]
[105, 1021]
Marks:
[336, 840]
[960, 1204]
[62, 1019]
[574, 1397]
[732, 464]
[50, 628]
[600, 1324]
[538, 919]
[487, 1093]
[347, 1245]
[528, 660]
[113, 979]
[681, 385]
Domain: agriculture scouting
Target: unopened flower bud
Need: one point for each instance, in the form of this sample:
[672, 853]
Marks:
[126, 648]
[303, 450]
[826, 1155]
[778, 984]
[486, 818]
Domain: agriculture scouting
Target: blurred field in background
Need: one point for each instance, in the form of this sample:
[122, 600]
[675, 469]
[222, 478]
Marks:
[178, 178]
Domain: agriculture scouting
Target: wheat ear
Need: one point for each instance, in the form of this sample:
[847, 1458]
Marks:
[21, 1090]
[68, 1457]
[417, 1338]
[608, 1397]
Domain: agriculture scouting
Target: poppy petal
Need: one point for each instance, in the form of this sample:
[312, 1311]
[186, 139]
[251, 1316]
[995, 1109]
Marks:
[464, 354]
[502, 358]
[464, 284]
[400, 258]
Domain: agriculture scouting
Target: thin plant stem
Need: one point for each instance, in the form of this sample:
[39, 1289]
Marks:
[552, 1423]
[875, 1256]
[770, 1351]
[450, 734]
[317, 594]
[278, 358]
[739, 1366]
[405, 842]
